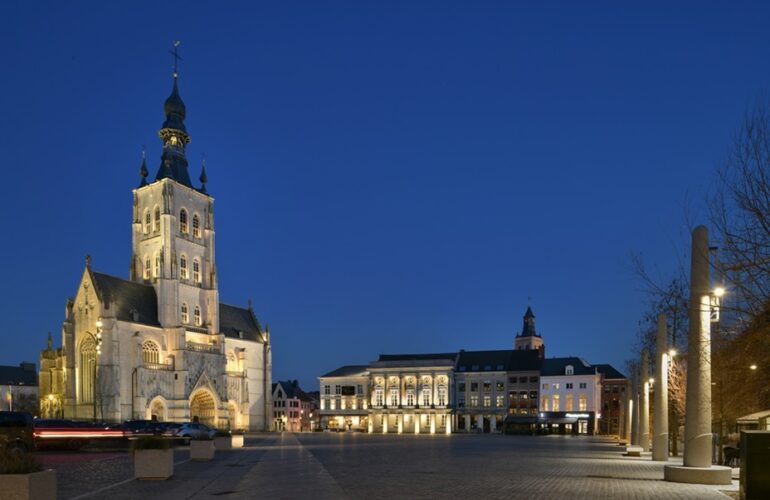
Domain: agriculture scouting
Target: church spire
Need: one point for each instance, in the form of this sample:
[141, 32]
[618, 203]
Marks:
[529, 324]
[203, 178]
[143, 170]
[173, 162]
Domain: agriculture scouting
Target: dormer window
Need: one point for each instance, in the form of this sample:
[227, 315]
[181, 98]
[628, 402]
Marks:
[196, 226]
[183, 221]
[569, 370]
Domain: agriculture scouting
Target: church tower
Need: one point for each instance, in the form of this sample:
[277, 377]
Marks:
[528, 338]
[173, 231]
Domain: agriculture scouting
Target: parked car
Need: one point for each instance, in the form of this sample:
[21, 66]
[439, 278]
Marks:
[16, 431]
[195, 430]
[133, 428]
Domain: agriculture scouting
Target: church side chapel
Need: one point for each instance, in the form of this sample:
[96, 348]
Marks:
[160, 344]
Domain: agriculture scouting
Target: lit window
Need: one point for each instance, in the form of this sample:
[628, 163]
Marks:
[197, 316]
[556, 402]
[394, 397]
[410, 398]
[196, 226]
[196, 271]
[442, 396]
[544, 403]
[150, 352]
[379, 397]
[157, 219]
[327, 390]
[183, 267]
[487, 402]
[474, 401]
[183, 221]
[499, 401]
[87, 369]
[426, 396]
[569, 402]
[147, 268]
[583, 402]
[499, 386]
[147, 221]
[185, 315]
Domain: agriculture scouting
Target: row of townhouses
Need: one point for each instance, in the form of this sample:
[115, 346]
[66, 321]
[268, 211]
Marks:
[515, 390]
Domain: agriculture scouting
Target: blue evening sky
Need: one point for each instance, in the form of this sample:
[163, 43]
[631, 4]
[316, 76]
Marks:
[389, 176]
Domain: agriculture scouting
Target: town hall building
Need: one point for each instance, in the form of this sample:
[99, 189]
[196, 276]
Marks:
[160, 344]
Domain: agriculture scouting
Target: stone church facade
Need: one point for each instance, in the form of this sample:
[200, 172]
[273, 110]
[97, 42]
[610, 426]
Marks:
[160, 344]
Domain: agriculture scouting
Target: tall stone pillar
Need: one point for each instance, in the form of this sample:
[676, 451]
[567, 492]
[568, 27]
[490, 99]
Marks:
[697, 466]
[432, 423]
[384, 423]
[400, 423]
[697, 426]
[417, 418]
[660, 420]
[629, 414]
[449, 424]
[644, 414]
[467, 418]
[635, 413]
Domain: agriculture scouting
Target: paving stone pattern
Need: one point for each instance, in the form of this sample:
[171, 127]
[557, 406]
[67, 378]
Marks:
[360, 466]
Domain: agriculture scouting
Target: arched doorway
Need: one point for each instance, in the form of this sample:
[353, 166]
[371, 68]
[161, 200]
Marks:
[204, 407]
[157, 410]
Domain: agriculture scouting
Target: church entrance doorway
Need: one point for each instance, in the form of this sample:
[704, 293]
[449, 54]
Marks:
[203, 408]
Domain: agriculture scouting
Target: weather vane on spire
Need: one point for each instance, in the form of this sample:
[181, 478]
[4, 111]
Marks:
[177, 57]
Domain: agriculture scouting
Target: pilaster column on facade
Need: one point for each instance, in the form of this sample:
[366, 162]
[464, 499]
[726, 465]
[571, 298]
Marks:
[432, 423]
[467, 418]
[449, 424]
[434, 391]
[384, 423]
[400, 423]
[417, 418]
[480, 421]
[370, 425]
[493, 423]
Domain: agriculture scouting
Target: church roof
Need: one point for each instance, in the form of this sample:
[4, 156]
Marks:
[416, 357]
[128, 297]
[233, 320]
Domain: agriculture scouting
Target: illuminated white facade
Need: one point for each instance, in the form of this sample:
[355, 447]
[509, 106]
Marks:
[572, 387]
[344, 399]
[160, 344]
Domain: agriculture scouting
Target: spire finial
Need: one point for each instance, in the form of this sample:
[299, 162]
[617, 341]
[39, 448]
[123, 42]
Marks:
[203, 178]
[177, 58]
[143, 172]
[50, 341]
[88, 261]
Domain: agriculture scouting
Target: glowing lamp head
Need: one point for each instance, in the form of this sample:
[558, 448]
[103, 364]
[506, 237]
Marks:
[753, 367]
[719, 291]
[672, 352]
[652, 380]
[99, 323]
[50, 397]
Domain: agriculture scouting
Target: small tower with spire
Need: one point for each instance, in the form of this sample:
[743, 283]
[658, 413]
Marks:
[528, 338]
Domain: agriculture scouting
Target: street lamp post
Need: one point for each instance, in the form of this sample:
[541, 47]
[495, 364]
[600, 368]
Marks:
[98, 343]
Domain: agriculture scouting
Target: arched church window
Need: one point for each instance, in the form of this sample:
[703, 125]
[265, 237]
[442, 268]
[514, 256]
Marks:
[185, 314]
[183, 267]
[196, 226]
[150, 352]
[147, 267]
[157, 219]
[197, 316]
[87, 369]
[196, 271]
[183, 221]
[147, 221]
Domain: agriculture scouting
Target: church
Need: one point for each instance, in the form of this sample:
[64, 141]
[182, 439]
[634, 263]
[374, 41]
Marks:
[160, 344]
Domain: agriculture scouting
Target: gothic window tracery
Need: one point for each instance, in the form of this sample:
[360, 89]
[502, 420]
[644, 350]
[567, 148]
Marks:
[183, 221]
[147, 221]
[87, 369]
[157, 219]
[196, 225]
[150, 352]
[147, 267]
[196, 271]
[183, 267]
[185, 313]
[197, 316]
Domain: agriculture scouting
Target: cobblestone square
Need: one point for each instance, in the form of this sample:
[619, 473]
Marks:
[353, 465]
